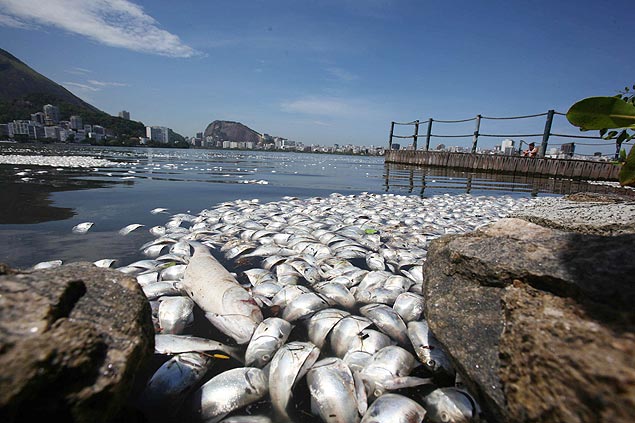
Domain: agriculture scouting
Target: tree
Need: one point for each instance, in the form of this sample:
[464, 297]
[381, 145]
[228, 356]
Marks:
[614, 117]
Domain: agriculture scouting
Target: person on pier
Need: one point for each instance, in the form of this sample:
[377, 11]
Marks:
[531, 151]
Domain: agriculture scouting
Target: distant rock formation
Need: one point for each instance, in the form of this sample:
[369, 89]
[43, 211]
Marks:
[224, 130]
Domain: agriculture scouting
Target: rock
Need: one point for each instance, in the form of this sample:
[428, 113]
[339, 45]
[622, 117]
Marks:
[71, 341]
[539, 322]
[583, 212]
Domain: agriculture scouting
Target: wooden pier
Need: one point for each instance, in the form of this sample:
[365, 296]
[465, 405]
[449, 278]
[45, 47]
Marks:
[561, 168]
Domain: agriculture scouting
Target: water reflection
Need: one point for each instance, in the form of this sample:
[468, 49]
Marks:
[427, 181]
[27, 200]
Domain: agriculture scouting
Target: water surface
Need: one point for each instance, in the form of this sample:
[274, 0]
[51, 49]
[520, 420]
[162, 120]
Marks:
[41, 204]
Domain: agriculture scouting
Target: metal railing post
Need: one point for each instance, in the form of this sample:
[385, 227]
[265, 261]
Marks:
[478, 127]
[416, 134]
[392, 129]
[546, 133]
[428, 134]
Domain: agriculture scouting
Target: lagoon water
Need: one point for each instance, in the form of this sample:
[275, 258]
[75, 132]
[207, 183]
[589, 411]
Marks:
[41, 204]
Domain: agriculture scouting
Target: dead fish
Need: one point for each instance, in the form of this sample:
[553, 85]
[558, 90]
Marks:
[428, 349]
[409, 306]
[268, 337]
[388, 321]
[388, 363]
[105, 263]
[130, 228]
[368, 340]
[161, 289]
[175, 314]
[82, 228]
[304, 307]
[47, 264]
[394, 408]
[226, 392]
[332, 390]
[288, 366]
[177, 344]
[450, 405]
[158, 210]
[226, 304]
[344, 331]
[321, 324]
[167, 389]
[336, 293]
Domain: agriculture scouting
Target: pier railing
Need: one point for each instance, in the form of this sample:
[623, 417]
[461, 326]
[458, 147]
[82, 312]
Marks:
[477, 134]
[498, 163]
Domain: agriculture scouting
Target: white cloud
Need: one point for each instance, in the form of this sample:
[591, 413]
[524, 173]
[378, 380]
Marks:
[93, 85]
[81, 87]
[78, 71]
[117, 23]
[341, 74]
[107, 84]
[323, 106]
[12, 22]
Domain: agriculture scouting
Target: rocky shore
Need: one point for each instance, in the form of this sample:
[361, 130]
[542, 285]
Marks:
[534, 310]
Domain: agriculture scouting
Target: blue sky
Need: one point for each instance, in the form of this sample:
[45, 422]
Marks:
[327, 71]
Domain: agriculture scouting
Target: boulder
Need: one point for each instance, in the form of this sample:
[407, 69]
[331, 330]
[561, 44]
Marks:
[539, 322]
[71, 341]
[590, 213]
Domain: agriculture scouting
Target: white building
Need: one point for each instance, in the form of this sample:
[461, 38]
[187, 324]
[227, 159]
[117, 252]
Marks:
[51, 114]
[159, 134]
[76, 122]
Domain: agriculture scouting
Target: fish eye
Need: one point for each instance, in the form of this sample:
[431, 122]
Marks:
[444, 416]
[266, 357]
[431, 363]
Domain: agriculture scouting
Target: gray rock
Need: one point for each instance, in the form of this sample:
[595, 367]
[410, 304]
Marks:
[538, 321]
[71, 341]
[588, 213]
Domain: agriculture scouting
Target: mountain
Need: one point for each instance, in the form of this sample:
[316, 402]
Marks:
[24, 91]
[224, 130]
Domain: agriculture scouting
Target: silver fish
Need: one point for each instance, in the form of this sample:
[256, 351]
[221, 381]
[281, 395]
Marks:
[344, 331]
[450, 405]
[409, 306]
[161, 289]
[177, 344]
[304, 306]
[226, 304]
[428, 349]
[333, 391]
[47, 265]
[105, 263]
[175, 314]
[394, 408]
[288, 366]
[336, 293]
[82, 228]
[368, 340]
[388, 363]
[321, 324]
[228, 391]
[130, 228]
[388, 321]
[268, 337]
[167, 389]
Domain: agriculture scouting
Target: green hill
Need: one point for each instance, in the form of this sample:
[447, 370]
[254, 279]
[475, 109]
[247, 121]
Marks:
[24, 91]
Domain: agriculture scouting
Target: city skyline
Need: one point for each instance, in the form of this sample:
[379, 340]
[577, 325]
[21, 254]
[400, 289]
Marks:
[327, 73]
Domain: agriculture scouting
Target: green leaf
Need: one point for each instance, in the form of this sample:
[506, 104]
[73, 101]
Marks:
[627, 172]
[602, 112]
[371, 231]
[610, 135]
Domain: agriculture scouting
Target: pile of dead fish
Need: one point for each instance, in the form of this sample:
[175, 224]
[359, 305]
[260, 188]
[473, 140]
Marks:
[320, 319]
